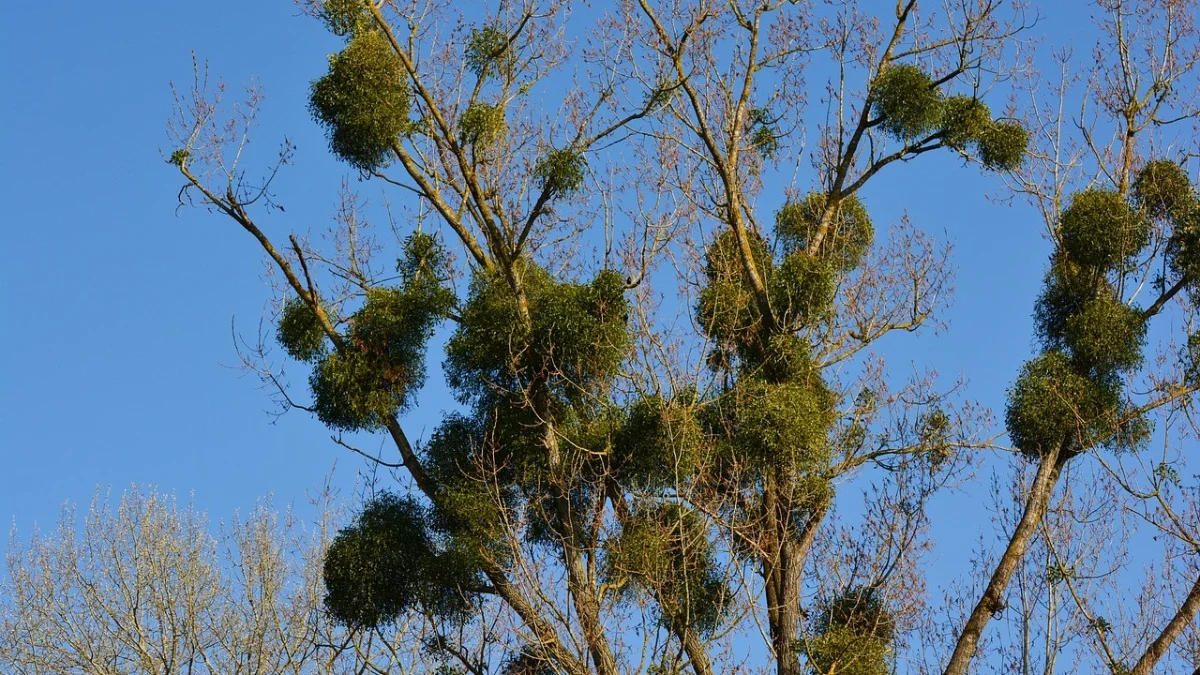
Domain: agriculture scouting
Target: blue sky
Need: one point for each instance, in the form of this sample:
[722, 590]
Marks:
[115, 342]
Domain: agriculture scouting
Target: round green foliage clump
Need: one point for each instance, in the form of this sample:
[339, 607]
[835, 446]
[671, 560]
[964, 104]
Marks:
[578, 338]
[1106, 336]
[907, 101]
[727, 309]
[382, 361]
[659, 443]
[964, 121]
[854, 635]
[762, 135]
[1068, 288]
[784, 424]
[488, 48]
[481, 124]
[1002, 146]
[300, 331]
[1052, 406]
[1100, 230]
[1183, 246]
[1163, 189]
[847, 240]
[361, 101]
[665, 550]
[561, 172]
[802, 289]
[460, 460]
[342, 16]
[386, 563]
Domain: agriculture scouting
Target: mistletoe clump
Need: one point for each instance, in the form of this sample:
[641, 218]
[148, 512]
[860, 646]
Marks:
[388, 563]
[1100, 230]
[665, 550]
[906, 101]
[561, 172]
[659, 441]
[854, 635]
[300, 331]
[382, 361]
[489, 48]
[849, 236]
[342, 16]
[481, 124]
[362, 101]
[964, 120]
[1163, 190]
[1002, 145]
[574, 339]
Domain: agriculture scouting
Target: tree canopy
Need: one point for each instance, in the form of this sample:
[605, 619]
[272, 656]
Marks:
[651, 273]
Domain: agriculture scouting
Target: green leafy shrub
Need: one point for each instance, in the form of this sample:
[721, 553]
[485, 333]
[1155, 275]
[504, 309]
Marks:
[784, 424]
[850, 232]
[561, 172]
[481, 124]
[907, 102]
[964, 121]
[726, 307]
[802, 289]
[361, 101]
[1163, 189]
[383, 358]
[387, 563]
[488, 48]
[300, 331]
[1106, 336]
[578, 338]
[1002, 146]
[342, 16]
[1100, 230]
[853, 636]
[658, 442]
[1051, 406]
[664, 549]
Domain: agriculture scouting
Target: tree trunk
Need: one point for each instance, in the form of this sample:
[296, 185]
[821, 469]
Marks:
[1156, 650]
[992, 600]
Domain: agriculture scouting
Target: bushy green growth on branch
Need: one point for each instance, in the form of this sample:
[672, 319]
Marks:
[850, 231]
[726, 308]
[342, 16]
[460, 458]
[561, 172]
[1052, 406]
[300, 331]
[964, 120]
[1163, 189]
[387, 563]
[1002, 145]
[488, 48]
[802, 289]
[854, 635]
[574, 339]
[1100, 230]
[481, 124]
[762, 132]
[659, 442]
[783, 424]
[1106, 336]
[383, 358]
[907, 102]
[362, 101]
[665, 550]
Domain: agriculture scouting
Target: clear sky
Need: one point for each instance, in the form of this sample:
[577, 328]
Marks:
[115, 340]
